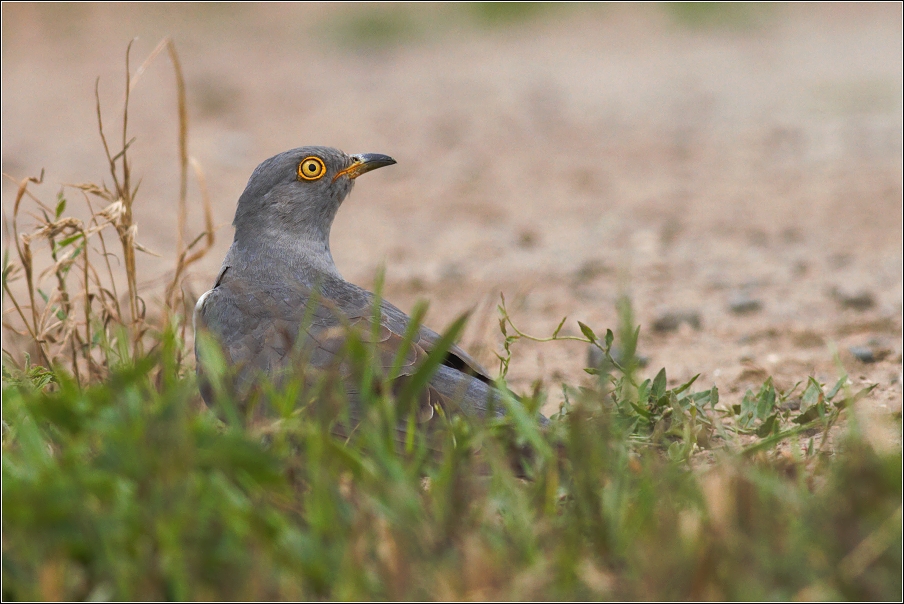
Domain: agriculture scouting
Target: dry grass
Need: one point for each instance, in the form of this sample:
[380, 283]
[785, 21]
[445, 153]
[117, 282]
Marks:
[71, 310]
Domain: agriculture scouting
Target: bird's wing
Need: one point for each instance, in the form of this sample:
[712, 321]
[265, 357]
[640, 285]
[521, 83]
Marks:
[456, 358]
[460, 379]
[284, 329]
[357, 304]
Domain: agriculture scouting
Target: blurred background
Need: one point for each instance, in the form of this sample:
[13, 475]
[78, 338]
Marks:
[736, 170]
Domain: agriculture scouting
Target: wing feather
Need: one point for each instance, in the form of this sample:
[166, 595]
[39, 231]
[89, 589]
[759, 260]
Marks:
[282, 329]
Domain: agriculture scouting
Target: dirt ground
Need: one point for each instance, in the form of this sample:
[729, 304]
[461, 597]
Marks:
[739, 168]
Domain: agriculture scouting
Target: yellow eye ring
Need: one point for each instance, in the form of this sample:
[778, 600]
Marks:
[311, 168]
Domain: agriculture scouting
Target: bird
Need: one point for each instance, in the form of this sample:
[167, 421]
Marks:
[279, 306]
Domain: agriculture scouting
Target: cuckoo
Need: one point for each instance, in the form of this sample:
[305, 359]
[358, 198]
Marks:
[280, 307]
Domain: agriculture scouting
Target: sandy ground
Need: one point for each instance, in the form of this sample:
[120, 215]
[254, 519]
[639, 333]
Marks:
[707, 165]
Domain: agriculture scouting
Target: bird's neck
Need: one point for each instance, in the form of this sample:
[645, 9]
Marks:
[280, 256]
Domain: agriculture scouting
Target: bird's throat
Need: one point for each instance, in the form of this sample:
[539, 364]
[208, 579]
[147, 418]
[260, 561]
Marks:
[281, 256]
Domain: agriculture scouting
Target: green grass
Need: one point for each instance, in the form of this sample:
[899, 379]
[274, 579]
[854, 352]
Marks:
[119, 484]
[127, 489]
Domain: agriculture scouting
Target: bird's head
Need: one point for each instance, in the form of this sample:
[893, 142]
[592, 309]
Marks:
[297, 193]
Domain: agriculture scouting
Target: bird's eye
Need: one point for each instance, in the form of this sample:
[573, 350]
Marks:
[311, 168]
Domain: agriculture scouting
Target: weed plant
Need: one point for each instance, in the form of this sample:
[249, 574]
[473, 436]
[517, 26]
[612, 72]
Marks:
[119, 484]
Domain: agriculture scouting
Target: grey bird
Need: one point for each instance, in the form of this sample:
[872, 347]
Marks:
[279, 306]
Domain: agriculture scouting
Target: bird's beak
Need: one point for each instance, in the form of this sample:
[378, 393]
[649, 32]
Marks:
[365, 162]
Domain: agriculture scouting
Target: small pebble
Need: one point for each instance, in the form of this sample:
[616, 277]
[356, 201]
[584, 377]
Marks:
[863, 354]
[590, 270]
[742, 303]
[451, 272]
[808, 339]
[528, 239]
[860, 300]
[671, 320]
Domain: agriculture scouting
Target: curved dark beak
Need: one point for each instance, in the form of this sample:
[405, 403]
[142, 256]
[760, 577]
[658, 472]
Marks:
[365, 162]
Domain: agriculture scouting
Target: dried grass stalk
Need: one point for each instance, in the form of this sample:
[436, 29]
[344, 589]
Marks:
[73, 316]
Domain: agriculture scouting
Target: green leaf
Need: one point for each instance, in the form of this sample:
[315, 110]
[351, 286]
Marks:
[676, 451]
[659, 383]
[64, 242]
[850, 400]
[747, 411]
[348, 457]
[414, 324]
[420, 378]
[559, 327]
[837, 387]
[686, 385]
[770, 441]
[769, 426]
[765, 400]
[640, 410]
[525, 424]
[816, 411]
[61, 205]
[812, 396]
[588, 333]
[643, 391]
[7, 268]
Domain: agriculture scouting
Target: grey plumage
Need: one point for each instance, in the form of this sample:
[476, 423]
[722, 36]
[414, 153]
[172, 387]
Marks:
[280, 307]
